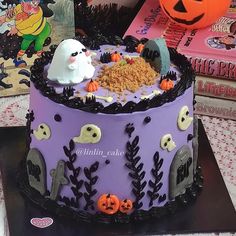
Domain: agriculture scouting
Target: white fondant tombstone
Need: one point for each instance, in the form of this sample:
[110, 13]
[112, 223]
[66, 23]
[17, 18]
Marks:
[36, 170]
[71, 63]
[195, 143]
[181, 172]
[157, 54]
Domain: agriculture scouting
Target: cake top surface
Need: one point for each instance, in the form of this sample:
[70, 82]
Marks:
[113, 76]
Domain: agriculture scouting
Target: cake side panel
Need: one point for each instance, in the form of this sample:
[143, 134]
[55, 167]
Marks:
[102, 162]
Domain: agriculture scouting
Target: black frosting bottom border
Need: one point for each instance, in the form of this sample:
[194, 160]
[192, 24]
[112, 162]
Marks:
[67, 213]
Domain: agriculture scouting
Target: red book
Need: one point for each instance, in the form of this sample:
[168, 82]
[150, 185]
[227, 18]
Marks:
[212, 50]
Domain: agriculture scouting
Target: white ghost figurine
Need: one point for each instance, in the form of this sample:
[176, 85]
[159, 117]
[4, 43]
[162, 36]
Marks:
[71, 63]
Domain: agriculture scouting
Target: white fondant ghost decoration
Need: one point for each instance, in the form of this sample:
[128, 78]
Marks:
[184, 120]
[89, 133]
[43, 132]
[71, 63]
[167, 142]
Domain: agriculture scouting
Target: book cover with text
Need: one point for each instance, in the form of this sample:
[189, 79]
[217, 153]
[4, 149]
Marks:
[214, 87]
[215, 107]
[212, 50]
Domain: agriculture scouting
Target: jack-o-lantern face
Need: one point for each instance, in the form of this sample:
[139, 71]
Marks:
[108, 203]
[194, 14]
[126, 206]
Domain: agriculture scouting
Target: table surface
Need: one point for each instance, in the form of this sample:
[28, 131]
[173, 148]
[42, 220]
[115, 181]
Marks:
[221, 134]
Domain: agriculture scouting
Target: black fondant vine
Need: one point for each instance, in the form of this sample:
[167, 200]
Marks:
[67, 213]
[29, 118]
[157, 176]
[91, 105]
[77, 184]
[89, 185]
[129, 129]
[136, 171]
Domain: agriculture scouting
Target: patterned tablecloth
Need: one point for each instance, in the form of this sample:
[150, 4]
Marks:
[221, 134]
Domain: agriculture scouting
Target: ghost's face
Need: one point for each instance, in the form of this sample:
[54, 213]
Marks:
[73, 52]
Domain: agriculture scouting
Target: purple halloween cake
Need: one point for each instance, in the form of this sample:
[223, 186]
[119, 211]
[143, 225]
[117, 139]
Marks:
[111, 131]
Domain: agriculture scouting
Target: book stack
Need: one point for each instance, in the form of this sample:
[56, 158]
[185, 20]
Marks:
[212, 52]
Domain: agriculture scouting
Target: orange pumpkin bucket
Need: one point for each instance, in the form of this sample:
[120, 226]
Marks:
[194, 14]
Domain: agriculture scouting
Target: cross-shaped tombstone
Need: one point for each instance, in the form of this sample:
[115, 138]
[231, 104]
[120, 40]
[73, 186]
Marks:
[58, 179]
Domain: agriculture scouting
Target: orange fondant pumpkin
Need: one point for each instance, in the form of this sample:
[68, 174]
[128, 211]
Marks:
[115, 57]
[108, 203]
[92, 86]
[166, 84]
[140, 48]
[126, 206]
[194, 14]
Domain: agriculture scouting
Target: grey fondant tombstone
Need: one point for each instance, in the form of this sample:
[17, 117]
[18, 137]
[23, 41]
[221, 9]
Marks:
[36, 170]
[58, 179]
[157, 54]
[195, 143]
[181, 172]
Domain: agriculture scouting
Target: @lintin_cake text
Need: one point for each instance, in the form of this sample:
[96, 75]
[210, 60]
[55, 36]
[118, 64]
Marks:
[96, 152]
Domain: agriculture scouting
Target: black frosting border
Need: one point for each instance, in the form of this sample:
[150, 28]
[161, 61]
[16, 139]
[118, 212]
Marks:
[91, 105]
[66, 213]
